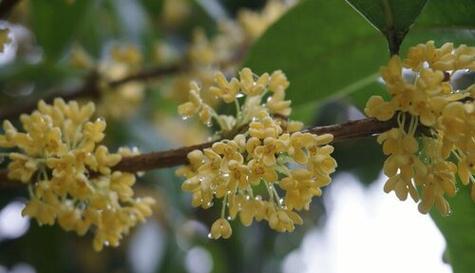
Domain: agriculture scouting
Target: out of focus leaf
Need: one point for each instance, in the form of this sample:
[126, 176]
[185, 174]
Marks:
[326, 49]
[55, 22]
[457, 230]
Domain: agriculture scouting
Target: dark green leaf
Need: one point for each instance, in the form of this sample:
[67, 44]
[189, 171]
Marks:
[440, 21]
[55, 22]
[392, 17]
[458, 231]
[326, 49]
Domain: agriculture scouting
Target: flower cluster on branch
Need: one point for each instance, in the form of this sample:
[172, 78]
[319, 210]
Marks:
[425, 166]
[69, 173]
[268, 172]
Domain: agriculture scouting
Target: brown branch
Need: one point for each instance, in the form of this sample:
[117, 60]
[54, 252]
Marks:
[170, 158]
[148, 74]
[341, 132]
[90, 89]
[6, 6]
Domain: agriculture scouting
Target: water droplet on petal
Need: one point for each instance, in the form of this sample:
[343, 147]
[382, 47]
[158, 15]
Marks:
[229, 218]
[106, 243]
[184, 117]
[210, 236]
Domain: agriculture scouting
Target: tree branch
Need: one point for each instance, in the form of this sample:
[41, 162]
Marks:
[90, 89]
[165, 159]
[175, 157]
[6, 6]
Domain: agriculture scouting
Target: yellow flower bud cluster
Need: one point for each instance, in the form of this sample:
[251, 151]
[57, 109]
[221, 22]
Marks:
[268, 171]
[115, 101]
[255, 23]
[69, 174]
[223, 51]
[4, 39]
[254, 88]
[420, 165]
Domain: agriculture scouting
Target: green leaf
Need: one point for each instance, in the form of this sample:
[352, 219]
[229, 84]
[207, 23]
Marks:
[441, 21]
[55, 22]
[458, 231]
[444, 21]
[326, 49]
[392, 17]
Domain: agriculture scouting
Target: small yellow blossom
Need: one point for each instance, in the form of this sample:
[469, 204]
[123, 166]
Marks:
[221, 228]
[419, 164]
[270, 153]
[70, 175]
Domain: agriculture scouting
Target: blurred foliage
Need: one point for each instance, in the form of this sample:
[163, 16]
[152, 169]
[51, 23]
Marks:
[331, 55]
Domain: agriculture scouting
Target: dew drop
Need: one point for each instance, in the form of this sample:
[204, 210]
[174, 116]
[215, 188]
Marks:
[258, 198]
[239, 95]
[228, 192]
[106, 243]
[184, 117]
[209, 124]
[210, 236]
[229, 218]
[210, 204]
[281, 201]
[248, 197]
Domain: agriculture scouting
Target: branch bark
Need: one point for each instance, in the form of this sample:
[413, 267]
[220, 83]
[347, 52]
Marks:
[165, 159]
[90, 89]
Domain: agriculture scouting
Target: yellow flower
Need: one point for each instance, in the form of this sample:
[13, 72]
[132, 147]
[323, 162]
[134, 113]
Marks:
[221, 228]
[251, 87]
[277, 104]
[194, 104]
[278, 81]
[258, 170]
[258, 158]
[379, 109]
[224, 89]
[74, 184]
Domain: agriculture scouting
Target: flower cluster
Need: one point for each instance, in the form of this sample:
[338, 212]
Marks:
[223, 51]
[115, 101]
[269, 170]
[69, 174]
[423, 98]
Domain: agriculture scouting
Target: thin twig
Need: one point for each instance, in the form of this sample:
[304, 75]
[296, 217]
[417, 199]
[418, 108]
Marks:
[6, 6]
[89, 89]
